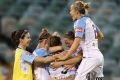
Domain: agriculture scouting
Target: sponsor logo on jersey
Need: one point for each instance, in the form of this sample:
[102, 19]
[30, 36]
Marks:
[78, 29]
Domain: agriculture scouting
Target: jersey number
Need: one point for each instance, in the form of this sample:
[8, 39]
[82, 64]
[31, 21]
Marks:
[95, 31]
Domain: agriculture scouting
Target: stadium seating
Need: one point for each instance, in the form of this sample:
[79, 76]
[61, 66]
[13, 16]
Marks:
[54, 14]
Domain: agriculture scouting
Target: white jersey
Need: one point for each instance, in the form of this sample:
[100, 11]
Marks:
[41, 73]
[87, 31]
[58, 72]
[93, 60]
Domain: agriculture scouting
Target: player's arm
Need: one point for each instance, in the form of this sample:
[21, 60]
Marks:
[31, 58]
[43, 56]
[100, 35]
[44, 59]
[79, 32]
[73, 47]
[71, 61]
[56, 48]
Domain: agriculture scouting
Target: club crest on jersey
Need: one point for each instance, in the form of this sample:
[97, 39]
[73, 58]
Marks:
[78, 29]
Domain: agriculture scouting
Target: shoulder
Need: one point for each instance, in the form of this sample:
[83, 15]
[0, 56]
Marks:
[89, 21]
[37, 50]
[19, 51]
[81, 22]
[40, 52]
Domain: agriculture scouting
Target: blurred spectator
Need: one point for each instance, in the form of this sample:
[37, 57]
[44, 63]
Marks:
[34, 14]
[5, 69]
[8, 25]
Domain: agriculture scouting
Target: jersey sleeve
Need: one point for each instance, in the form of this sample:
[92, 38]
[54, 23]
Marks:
[79, 28]
[40, 52]
[28, 57]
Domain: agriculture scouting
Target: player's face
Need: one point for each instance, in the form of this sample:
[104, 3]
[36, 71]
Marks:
[44, 43]
[73, 12]
[68, 42]
[26, 40]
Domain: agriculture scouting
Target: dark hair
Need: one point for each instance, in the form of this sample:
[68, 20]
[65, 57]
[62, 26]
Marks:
[81, 6]
[16, 35]
[44, 34]
[70, 35]
[54, 41]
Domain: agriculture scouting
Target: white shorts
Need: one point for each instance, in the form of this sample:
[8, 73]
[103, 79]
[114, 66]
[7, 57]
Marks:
[94, 63]
[41, 74]
[57, 75]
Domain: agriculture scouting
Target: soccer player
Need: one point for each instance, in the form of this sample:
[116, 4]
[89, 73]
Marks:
[86, 35]
[44, 48]
[70, 65]
[55, 41]
[23, 59]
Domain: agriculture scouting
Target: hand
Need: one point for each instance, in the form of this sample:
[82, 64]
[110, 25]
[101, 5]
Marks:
[61, 56]
[69, 66]
[56, 65]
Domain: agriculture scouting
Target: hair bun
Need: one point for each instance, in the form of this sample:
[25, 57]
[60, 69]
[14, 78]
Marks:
[45, 30]
[79, 4]
[82, 4]
[86, 5]
[56, 34]
[44, 34]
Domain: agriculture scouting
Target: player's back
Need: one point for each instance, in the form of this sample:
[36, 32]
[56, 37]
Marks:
[90, 41]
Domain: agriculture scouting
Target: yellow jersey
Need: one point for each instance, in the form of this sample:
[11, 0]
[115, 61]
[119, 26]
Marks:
[22, 69]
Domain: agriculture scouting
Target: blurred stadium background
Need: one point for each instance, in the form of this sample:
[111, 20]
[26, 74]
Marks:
[54, 14]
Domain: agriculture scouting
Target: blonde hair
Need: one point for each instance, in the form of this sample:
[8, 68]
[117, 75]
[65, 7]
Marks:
[44, 34]
[81, 6]
[56, 34]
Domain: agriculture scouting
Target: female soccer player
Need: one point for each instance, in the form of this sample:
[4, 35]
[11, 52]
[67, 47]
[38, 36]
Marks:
[44, 48]
[70, 65]
[86, 33]
[23, 59]
[55, 41]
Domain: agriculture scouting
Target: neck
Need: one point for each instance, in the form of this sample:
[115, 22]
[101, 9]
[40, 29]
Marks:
[22, 46]
[80, 16]
[40, 46]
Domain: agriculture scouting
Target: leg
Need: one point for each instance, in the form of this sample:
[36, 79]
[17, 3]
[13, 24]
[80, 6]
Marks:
[86, 66]
[99, 72]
